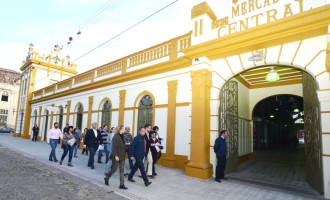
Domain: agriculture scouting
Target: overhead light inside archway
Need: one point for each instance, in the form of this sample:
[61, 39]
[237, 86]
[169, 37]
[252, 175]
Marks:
[272, 76]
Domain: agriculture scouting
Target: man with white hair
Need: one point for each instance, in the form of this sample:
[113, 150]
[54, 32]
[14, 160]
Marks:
[92, 141]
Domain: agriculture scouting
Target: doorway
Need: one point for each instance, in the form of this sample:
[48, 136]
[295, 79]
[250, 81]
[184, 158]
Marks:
[46, 125]
[145, 111]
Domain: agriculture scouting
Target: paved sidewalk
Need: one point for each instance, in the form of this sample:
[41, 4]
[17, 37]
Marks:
[169, 184]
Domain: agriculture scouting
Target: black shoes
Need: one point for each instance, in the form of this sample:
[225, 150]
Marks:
[55, 161]
[100, 162]
[218, 180]
[147, 183]
[50, 159]
[106, 181]
[154, 174]
[123, 187]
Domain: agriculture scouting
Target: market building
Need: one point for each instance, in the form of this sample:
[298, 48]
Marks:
[240, 64]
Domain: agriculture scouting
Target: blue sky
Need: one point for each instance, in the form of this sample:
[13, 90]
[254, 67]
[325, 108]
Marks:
[48, 22]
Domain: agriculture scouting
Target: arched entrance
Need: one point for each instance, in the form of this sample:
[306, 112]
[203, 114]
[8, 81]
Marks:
[46, 124]
[80, 110]
[145, 111]
[105, 120]
[232, 107]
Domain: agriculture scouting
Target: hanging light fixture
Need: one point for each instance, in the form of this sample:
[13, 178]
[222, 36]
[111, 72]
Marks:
[272, 76]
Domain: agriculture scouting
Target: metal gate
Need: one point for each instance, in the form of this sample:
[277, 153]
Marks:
[228, 120]
[313, 142]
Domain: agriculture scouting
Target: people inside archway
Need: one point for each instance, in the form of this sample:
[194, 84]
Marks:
[92, 141]
[139, 152]
[35, 131]
[128, 142]
[118, 156]
[220, 149]
[155, 149]
[53, 137]
[68, 145]
[82, 139]
[76, 144]
[104, 135]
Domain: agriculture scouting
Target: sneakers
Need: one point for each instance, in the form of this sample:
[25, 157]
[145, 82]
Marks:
[61, 162]
[106, 182]
[100, 162]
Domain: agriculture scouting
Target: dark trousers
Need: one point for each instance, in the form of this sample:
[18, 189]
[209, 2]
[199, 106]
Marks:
[91, 156]
[85, 150]
[129, 155]
[220, 169]
[114, 169]
[67, 148]
[139, 165]
[35, 136]
[155, 158]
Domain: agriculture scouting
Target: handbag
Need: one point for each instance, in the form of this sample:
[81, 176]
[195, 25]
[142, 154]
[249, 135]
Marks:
[100, 148]
[71, 142]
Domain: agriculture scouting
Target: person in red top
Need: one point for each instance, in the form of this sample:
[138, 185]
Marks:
[155, 150]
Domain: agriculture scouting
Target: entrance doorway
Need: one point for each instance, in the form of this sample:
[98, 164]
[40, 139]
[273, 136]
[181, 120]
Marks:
[265, 124]
[46, 125]
[79, 116]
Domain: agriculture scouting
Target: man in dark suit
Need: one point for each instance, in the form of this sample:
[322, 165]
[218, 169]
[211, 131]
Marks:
[35, 131]
[139, 152]
[220, 149]
[92, 141]
[118, 156]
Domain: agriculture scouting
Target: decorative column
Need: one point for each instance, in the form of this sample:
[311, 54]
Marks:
[122, 97]
[39, 121]
[169, 160]
[199, 165]
[51, 118]
[17, 111]
[90, 108]
[68, 107]
[27, 118]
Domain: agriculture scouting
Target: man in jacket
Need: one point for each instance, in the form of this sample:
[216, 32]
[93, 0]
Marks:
[148, 157]
[118, 156]
[92, 141]
[220, 149]
[139, 152]
[128, 142]
[35, 131]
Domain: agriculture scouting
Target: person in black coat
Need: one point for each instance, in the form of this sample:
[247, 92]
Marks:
[220, 149]
[35, 131]
[139, 152]
[92, 140]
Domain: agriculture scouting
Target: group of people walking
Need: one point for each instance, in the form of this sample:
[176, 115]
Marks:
[145, 147]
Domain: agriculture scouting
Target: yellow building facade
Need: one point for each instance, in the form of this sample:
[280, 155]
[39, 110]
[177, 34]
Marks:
[183, 84]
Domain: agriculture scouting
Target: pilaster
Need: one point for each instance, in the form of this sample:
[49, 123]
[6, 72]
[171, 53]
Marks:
[169, 160]
[17, 111]
[90, 108]
[51, 118]
[199, 165]
[39, 121]
[68, 111]
[122, 97]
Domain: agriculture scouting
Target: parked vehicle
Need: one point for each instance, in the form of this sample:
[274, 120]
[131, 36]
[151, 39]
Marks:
[6, 130]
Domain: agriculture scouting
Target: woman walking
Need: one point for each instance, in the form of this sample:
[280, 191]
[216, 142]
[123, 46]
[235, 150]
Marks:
[118, 156]
[67, 137]
[82, 139]
[76, 144]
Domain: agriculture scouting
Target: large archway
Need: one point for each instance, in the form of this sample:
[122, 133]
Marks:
[235, 111]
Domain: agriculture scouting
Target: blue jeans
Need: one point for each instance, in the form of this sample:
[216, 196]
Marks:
[53, 145]
[91, 156]
[106, 154]
[67, 148]
[75, 149]
[138, 165]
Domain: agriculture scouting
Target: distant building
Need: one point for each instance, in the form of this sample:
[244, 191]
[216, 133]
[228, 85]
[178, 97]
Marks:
[9, 87]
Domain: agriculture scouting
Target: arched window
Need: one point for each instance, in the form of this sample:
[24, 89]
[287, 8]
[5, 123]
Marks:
[79, 116]
[106, 113]
[60, 120]
[145, 111]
